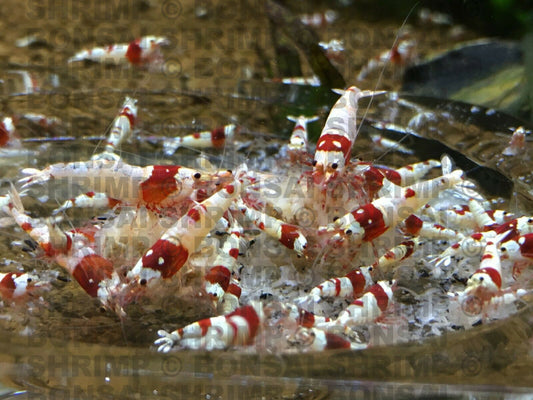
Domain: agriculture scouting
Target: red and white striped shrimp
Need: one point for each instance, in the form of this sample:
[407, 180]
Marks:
[379, 180]
[473, 306]
[334, 146]
[313, 339]
[483, 219]
[155, 186]
[455, 217]
[487, 280]
[501, 217]
[415, 226]
[353, 284]
[357, 281]
[121, 130]
[303, 317]
[409, 174]
[371, 220]
[299, 139]
[518, 249]
[402, 54]
[235, 329]
[493, 224]
[394, 256]
[289, 235]
[18, 285]
[517, 226]
[201, 140]
[485, 283]
[144, 51]
[367, 308]
[469, 246]
[461, 217]
[219, 277]
[172, 250]
[242, 326]
[71, 249]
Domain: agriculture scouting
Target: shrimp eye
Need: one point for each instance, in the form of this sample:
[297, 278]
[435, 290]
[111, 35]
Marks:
[348, 231]
[314, 162]
[142, 281]
[197, 175]
[334, 165]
